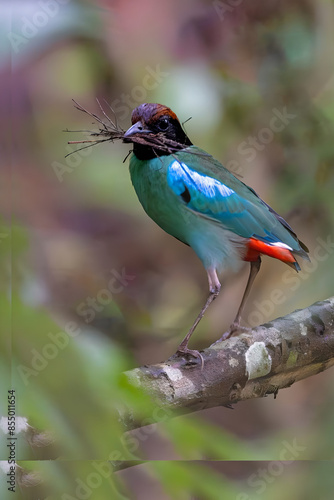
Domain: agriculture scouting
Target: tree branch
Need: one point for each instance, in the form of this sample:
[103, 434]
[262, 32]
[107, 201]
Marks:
[271, 357]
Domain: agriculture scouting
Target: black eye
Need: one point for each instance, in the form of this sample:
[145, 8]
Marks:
[163, 124]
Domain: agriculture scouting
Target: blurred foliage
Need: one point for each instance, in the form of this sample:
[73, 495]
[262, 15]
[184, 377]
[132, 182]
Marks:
[77, 252]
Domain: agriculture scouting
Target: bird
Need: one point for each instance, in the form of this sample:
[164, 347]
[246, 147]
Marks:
[194, 198]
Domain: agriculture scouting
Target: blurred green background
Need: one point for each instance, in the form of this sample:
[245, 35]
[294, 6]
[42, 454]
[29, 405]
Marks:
[91, 286]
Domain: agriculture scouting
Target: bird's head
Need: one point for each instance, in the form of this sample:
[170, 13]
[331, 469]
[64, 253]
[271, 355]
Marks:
[153, 126]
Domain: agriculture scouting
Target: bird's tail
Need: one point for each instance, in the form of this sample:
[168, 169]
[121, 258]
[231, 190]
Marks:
[278, 251]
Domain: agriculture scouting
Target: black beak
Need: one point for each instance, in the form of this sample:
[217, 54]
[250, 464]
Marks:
[137, 128]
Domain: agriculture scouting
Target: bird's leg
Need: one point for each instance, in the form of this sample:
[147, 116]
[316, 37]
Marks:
[254, 269]
[214, 286]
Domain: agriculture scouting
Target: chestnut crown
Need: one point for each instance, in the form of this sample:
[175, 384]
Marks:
[152, 118]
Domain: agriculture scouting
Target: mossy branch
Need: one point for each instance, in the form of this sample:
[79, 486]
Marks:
[271, 357]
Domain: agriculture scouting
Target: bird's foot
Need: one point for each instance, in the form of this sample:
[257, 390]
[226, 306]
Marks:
[184, 352]
[234, 328]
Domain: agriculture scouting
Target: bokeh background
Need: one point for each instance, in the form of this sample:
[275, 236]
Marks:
[91, 286]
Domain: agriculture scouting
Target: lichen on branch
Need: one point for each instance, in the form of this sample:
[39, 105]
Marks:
[271, 357]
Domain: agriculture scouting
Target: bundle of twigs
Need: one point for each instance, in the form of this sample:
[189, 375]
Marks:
[109, 130]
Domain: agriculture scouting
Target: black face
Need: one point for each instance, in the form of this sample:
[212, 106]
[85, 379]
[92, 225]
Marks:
[154, 120]
[170, 127]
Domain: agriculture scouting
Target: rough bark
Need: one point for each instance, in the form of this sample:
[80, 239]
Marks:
[251, 365]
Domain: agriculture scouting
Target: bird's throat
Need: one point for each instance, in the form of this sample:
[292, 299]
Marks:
[145, 152]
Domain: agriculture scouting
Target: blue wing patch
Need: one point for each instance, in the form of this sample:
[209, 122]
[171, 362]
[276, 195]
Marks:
[242, 213]
[180, 176]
